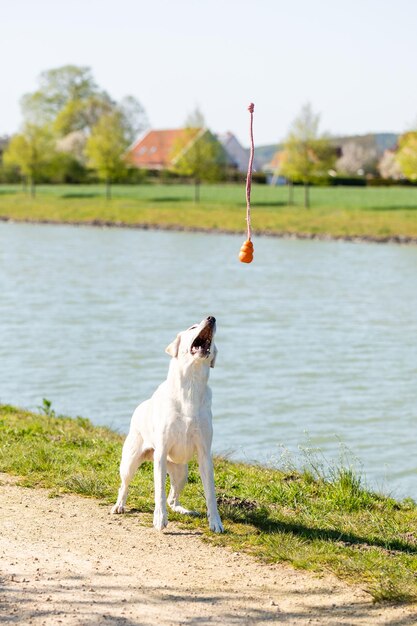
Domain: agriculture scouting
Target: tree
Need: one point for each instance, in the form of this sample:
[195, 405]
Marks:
[307, 155]
[195, 119]
[357, 159]
[352, 161]
[133, 116]
[198, 154]
[201, 157]
[70, 101]
[31, 151]
[388, 166]
[68, 98]
[407, 154]
[82, 115]
[73, 144]
[105, 149]
[57, 87]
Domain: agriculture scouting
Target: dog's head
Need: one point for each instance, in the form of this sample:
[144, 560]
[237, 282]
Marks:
[196, 343]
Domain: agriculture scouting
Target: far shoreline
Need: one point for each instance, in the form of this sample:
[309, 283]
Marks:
[396, 239]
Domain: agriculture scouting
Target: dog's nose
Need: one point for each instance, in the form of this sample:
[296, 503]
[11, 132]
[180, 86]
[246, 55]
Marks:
[211, 319]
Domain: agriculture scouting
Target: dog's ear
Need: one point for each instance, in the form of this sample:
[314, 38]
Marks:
[213, 360]
[173, 347]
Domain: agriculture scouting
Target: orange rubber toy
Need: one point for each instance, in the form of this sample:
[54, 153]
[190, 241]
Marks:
[246, 252]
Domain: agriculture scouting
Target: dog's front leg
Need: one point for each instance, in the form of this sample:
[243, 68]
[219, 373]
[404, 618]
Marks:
[207, 476]
[160, 517]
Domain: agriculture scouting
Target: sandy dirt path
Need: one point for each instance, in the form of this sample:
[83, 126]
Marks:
[66, 560]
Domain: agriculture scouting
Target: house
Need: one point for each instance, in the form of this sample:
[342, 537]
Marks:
[160, 149]
[238, 157]
[156, 149]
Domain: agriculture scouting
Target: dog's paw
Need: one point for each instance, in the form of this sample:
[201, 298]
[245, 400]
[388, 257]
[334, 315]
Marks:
[215, 524]
[118, 508]
[160, 519]
[177, 508]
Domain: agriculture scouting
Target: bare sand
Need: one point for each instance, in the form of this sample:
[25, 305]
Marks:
[66, 560]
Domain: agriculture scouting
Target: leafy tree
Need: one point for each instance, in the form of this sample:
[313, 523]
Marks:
[82, 115]
[8, 173]
[64, 168]
[69, 98]
[31, 151]
[70, 101]
[105, 149]
[307, 155]
[57, 87]
[198, 154]
[133, 117]
[407, 154]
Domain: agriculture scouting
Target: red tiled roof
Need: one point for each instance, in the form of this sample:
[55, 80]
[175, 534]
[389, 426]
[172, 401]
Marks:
[156, 148]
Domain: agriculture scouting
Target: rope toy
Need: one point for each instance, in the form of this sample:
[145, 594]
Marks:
[246, 251]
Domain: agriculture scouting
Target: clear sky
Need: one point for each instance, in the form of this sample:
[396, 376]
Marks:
[356, 62]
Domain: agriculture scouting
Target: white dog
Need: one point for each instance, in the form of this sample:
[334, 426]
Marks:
[174, 424]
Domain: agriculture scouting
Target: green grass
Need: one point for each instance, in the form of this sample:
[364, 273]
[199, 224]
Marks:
[378, 213]
[310, 520]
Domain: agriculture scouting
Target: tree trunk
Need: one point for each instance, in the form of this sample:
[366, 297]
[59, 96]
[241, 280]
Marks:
[290, 193]
[108, 189]
[306, 195]
[32, 188]
[197, 190]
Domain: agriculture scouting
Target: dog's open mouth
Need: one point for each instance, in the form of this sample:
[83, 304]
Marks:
[202, 343]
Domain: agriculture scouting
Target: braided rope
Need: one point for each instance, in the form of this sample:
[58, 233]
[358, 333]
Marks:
[251, 108]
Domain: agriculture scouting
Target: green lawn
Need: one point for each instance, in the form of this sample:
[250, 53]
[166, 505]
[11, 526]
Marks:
[312, 521]
[378, 213]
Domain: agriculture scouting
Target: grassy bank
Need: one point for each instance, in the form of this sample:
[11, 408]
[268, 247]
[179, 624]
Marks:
[378, 213]
[312, 522]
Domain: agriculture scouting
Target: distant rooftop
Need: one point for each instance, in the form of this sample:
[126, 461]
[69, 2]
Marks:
[155, 149]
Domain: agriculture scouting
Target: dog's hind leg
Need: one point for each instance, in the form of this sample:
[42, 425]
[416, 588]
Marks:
[178, 475]
[133, 455]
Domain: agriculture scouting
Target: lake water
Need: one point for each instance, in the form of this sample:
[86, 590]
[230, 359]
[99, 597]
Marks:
[317, 340]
